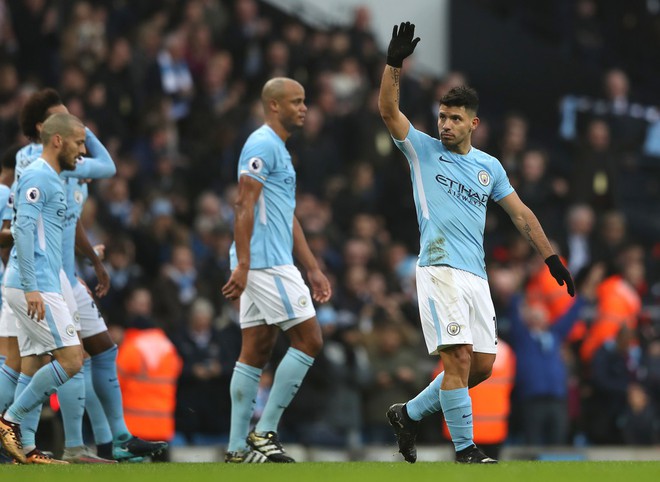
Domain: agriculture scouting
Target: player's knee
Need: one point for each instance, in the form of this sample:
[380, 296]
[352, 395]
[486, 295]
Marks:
[71, 360]
[313, 346]
[478, 376]
[255, 357]
[458, 356]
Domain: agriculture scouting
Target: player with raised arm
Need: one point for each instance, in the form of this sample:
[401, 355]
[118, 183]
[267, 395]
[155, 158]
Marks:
[452, 183]
[273, 295]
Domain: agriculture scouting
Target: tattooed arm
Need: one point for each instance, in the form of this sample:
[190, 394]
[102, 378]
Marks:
[388, 104]
[525, 220]
[401, 46]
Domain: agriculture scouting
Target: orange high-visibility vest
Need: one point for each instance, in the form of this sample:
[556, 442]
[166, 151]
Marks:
[618, 304]
[148, 366]
[491, 400]
[543, 287]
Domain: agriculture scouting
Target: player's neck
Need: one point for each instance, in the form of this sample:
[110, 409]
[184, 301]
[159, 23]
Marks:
[279, 129]
[51, 158]
[461, 149]
[6, 178]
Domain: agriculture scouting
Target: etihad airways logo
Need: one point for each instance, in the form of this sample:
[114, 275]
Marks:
[462, 192]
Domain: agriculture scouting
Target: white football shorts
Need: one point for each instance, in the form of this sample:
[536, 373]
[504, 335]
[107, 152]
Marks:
[91, 321]
[276, 296]
[56, 330]
[8, 321]
[455, 308]
[70, 299]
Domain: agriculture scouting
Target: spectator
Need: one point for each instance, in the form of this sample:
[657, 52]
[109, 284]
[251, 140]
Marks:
[614, 368]
[579, 238]
[639, 423]
[397, 375]
[177, 289]
[541, 375]
[148, 368]
[208, 355]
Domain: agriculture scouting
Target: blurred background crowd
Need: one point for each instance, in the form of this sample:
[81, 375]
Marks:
[171, 87]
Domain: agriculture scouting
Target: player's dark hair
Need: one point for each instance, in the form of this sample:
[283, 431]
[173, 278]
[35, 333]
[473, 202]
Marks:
[9, 157]
[461, 96]
[36, 111]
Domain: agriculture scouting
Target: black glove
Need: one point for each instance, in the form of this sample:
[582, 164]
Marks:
[402, 44]
[560, 273]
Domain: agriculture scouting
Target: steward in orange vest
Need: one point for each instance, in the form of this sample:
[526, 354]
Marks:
[148, 368]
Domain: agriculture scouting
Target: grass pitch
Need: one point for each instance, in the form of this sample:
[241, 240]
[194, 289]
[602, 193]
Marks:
[341, 472]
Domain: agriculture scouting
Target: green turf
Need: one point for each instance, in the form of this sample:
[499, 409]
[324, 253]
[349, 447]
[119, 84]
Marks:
[342, 472]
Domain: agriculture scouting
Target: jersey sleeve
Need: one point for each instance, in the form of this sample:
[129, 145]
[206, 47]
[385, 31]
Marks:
[30, 195]
[257, 161]
[501, 185]
[413, 146]
[4, 196]
[30, 199]
[99, 165]
[411, 137]
[8, 211]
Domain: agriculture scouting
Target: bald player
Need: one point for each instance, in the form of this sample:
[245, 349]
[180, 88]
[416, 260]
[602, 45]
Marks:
[273, 295]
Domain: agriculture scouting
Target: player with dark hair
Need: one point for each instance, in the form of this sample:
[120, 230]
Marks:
[39, 106]
[452, 183]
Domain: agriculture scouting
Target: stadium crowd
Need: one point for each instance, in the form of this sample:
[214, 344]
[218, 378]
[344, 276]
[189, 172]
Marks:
[172, 89]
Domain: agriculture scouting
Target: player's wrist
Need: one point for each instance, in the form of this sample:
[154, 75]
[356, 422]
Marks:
[552, 260]
[394, 62]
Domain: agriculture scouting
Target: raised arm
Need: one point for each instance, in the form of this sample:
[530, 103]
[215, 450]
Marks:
[401, 46]
[528, 225]
[99, 164]
[249, 190]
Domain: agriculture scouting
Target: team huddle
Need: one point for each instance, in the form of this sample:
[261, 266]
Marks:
[52, 337]
[47, 313]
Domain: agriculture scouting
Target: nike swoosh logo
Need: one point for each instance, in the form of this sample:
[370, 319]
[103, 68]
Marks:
[468, 415]
[445, 160]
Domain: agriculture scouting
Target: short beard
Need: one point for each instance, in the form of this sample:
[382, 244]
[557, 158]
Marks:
[61, 159]
[292, 127]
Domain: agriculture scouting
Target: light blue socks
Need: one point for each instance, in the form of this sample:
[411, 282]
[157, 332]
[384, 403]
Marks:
[43, 384]
[427, 401]
[71, 396]
[94, 409]
[243, 390]
[106, 386]
[31, 393]
[288, 378]
[31, 420]
[457, 408]
[8, 381]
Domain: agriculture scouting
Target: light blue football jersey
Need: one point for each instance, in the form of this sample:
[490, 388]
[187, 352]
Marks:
[40, 206]
[76, 196]
[4, 206]
[98, 166]
[265, 158]
[451, 192]
[26, 156]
